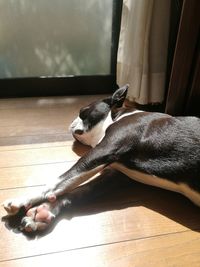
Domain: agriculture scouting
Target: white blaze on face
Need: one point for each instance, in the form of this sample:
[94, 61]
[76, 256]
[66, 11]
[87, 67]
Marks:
[94, 135]
[77, 124]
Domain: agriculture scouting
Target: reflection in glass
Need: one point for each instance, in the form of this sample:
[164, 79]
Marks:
[55, 38]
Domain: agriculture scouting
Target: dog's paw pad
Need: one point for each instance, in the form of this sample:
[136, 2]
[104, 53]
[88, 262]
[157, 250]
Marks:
[37, 218]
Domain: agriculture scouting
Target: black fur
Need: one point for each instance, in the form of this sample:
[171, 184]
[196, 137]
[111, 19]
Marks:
[94, 113]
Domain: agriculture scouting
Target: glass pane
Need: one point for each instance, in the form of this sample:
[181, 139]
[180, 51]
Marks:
[55, 38]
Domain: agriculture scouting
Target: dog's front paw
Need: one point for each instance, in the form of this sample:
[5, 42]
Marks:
[40, 217]
[29, 225]
[12, 206]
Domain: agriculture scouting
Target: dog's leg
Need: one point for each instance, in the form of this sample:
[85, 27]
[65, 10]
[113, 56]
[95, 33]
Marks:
[87, 166]
[65, 183]
[40, 217]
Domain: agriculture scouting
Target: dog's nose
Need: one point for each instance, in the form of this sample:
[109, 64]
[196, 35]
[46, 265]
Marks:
[78, 131]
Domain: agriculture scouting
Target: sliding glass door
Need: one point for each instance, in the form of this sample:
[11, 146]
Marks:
[47, 46]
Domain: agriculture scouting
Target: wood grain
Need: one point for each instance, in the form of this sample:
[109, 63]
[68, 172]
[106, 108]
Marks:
[180, 249]
[24, 176]
[45, 102]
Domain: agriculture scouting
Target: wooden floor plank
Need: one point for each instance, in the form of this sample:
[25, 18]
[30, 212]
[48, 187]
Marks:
[46, 102]
[27, 142]
[43, 129]
[31, 175]
[8, 143]
[35, 156]
[181, 249]
[32, 117]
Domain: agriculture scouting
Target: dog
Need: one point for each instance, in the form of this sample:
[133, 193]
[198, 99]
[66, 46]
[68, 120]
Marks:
[152, 148]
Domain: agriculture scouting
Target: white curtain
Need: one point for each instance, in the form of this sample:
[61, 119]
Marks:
[142, 52]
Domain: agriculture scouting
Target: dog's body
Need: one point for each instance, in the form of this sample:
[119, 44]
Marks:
[152, 148]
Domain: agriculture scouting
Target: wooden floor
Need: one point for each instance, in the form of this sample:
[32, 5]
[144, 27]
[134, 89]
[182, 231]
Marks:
[121, 224]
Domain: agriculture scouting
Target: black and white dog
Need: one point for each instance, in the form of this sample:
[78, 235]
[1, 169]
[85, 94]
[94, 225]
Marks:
[152, 148]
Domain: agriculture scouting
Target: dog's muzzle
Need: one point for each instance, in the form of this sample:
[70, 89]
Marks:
[76, 127]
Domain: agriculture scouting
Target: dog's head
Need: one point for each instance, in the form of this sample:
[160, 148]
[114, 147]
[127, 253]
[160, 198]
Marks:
[90, 126]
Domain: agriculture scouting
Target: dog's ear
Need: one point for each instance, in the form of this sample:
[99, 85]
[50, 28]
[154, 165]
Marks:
[119, 96]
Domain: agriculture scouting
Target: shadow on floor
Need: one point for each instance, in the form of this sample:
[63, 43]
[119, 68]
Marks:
[112, 190]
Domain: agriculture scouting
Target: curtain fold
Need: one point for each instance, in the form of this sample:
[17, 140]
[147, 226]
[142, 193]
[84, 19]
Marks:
[142, 51]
